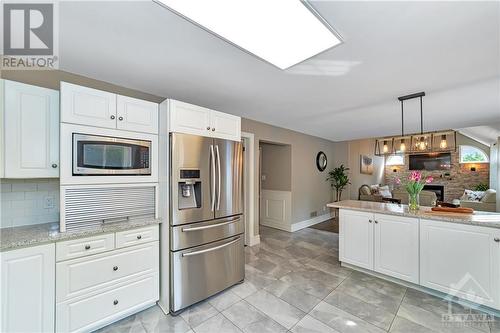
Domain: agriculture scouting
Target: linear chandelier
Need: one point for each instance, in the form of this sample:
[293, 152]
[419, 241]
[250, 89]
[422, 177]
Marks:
[418, 143]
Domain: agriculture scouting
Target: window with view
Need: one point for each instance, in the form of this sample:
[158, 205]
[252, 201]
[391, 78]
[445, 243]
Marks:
[470, 154]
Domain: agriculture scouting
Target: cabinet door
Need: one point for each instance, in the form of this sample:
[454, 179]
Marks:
[28, 295]
[356, 238]
[87, 106]
[136, 115]
[189, 119]
[225, 126]
[460, 260]
[396, 247]
[31, 131]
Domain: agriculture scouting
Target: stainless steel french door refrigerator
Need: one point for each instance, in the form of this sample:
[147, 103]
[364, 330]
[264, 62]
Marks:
[206, 224]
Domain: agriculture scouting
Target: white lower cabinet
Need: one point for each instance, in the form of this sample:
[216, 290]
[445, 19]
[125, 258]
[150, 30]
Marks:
[461, 260]
[383, 243]
[396, 247]
[98, 289]
[27, 281]
[356, 238]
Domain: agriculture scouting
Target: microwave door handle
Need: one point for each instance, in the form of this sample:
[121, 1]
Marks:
[212, 178]
[218, 176]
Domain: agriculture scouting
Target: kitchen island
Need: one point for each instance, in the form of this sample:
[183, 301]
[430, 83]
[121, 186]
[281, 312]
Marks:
[457, 254]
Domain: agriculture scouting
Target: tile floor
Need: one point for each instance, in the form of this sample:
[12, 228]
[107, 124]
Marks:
[294, 283]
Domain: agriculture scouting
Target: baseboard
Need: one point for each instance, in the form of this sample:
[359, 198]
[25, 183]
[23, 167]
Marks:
[276, 225]
[310, 222]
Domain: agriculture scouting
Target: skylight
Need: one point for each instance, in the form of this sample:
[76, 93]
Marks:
[281, 32]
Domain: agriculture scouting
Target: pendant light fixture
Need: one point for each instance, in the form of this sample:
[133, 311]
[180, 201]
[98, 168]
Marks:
[444, 141]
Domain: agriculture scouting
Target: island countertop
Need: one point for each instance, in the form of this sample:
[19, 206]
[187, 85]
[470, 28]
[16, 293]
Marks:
[38, 234]
[484, 219]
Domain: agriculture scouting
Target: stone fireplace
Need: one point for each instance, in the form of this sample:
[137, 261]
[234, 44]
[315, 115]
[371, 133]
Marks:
[438, 189]
[453, 181]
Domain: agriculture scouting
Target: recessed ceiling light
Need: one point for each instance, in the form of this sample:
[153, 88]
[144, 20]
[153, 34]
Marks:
[281, 32]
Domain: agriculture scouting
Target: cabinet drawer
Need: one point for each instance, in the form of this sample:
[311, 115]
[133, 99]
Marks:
[84, 246]
[83, 275]
[137, 236]
[86, 314]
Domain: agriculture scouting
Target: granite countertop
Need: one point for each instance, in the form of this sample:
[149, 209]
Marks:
[38, 234]
[484, 219]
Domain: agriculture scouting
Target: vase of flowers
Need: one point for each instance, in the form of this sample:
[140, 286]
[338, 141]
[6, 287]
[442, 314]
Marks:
[414, 186]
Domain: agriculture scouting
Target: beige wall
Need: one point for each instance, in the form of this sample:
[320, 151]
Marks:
[52, 79]
[310, 190]
[276, 167]
[355, 150]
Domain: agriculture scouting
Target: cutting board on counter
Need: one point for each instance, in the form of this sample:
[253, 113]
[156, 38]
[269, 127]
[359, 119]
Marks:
[449, 211]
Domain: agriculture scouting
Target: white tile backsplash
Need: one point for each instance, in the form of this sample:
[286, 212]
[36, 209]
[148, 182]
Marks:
[23, 201]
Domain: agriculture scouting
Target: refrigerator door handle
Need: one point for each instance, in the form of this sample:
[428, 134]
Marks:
[212, 178]
[218, 181]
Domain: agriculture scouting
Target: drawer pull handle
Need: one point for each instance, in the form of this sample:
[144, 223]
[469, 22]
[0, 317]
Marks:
[115, 268]
[87, 247]
[112, 117]
[115, 302]
[213, 129]
[208, 128]
[120, 118]
[139, 236]
[370, 221]
[188, 254]
[211, 225]
[497, 239]
[376, 221]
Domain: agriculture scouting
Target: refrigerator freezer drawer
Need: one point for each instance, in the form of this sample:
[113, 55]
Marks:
[203, 271]
[195, 234]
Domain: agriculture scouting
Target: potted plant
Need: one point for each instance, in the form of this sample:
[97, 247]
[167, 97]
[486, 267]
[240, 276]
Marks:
[338, 179]
[414, 186]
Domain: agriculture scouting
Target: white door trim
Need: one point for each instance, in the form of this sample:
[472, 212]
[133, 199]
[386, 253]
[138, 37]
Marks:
[249, 179]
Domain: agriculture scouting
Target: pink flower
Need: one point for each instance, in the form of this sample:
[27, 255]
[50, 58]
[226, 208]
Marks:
[415, 176]
[429, 180]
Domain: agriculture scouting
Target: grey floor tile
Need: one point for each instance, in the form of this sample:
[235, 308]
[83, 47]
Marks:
[301, 280]
[380, 285]
[251, 320]
[130, 324]
[310, 325]
[198, 313]
[402, 325]
[293, 295]
[368, 312]
[277, 309]
[245, 289]
[354, 288]
[341, 320]
[224, 300]
[435, 321]
[217, 324]
[154, 320]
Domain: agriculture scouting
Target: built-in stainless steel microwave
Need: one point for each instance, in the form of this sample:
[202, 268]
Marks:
[102, 155]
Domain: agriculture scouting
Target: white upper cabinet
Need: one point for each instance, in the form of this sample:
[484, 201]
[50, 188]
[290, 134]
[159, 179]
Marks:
[92, 107]
[461, 260]
[87, 106]
[134, 114]
[396, 247]
[225, 126]
[356, 238]
[31, 124]
[28, 289]
[192, 119]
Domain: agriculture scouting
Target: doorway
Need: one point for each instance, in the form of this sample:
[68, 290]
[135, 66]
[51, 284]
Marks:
[275, 185]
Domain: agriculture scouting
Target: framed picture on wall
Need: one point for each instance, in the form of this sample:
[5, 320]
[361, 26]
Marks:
[366, 165]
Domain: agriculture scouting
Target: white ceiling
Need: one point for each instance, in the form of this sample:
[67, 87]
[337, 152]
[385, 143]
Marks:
[487, 135]
[450, 50]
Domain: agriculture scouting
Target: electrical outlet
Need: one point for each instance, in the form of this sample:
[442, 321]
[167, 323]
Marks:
[49, 202]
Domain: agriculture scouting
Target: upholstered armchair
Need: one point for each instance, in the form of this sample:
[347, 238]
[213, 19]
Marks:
[486, 204]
